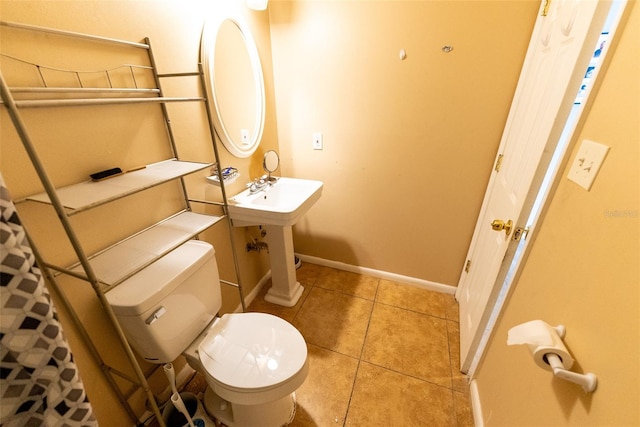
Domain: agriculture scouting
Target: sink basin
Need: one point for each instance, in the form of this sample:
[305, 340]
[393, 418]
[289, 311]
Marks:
[281, 204]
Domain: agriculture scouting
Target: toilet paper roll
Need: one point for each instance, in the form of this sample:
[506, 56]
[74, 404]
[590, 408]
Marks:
[541, 339]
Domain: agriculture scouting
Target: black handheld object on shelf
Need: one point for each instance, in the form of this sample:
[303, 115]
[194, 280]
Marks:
[98, 176]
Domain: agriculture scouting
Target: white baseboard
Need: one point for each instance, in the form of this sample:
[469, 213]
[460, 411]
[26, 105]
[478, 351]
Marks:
[475, 404]
[424, 284]
[254, 293]
[421, 283]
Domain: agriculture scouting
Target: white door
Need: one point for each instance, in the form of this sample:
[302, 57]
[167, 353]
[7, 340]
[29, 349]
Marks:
[554, 65]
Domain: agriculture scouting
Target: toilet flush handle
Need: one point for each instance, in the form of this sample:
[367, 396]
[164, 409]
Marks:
[156, 315]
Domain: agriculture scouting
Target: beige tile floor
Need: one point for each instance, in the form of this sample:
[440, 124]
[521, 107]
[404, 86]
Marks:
[380, 353]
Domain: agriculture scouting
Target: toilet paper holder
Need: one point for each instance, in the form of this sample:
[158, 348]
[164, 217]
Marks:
[588, 381]
[539, 337]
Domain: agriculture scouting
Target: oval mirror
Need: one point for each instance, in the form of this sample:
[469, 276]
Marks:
[234, 83]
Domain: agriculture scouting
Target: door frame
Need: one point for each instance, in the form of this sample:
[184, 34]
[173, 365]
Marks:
[546, 179]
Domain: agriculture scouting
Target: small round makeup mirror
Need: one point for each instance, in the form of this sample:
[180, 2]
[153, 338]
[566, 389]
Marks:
[270, 163]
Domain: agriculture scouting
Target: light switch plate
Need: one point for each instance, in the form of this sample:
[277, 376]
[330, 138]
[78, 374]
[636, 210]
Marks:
[317, 141]
[244, 136]
[587, 163]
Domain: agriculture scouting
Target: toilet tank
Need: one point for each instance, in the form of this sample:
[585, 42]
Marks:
[164, 307]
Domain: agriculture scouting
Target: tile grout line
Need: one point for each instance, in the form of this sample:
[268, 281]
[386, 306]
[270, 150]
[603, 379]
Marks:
[355, 377]
[453, 395]
[416, 311]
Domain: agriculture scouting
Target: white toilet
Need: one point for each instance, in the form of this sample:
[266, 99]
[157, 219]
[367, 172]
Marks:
[253, 362]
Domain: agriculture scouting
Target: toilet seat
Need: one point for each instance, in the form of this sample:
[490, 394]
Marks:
[253, 358]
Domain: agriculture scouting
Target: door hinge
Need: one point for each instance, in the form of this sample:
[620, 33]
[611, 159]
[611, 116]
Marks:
[545, 9]
[467, 266]
[498, 162]
[520, 233]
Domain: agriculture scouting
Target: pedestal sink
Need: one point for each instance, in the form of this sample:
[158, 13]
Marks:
[277, 207]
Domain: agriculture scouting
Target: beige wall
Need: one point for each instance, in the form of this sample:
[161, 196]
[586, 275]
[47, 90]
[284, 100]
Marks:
[98, 138]
[583, 272]
[408, 145]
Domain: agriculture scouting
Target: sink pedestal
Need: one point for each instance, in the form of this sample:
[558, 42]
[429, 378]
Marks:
[285, 289]
[277, 207]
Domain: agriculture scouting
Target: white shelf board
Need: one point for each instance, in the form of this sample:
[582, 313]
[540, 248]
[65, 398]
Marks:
[88, 194]
[124, 259]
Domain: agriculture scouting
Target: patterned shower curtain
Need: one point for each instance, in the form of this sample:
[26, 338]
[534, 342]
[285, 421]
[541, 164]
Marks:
[39, 381]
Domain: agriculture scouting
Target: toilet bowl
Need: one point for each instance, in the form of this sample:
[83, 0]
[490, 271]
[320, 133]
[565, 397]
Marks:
[253, 362]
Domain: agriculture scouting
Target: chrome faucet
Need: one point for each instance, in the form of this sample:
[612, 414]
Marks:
[259, 184]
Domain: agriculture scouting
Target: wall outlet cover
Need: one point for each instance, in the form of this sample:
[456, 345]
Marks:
[587, 163]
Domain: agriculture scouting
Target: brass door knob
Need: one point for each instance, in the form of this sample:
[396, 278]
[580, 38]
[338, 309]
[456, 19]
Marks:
[499, 225]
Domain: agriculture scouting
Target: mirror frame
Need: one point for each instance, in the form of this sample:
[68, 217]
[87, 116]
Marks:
[268, 158]
[208, 41]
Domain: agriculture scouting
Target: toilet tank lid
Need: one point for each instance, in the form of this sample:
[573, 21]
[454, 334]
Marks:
[149, 286]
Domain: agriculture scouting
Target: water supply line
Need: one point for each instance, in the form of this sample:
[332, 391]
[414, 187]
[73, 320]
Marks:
[256, 245]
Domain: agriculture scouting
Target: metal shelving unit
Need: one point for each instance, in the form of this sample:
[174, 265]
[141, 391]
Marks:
[112, 265]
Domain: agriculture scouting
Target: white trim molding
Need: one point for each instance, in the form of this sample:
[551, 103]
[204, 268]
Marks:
[421, 283]
[476, 407]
